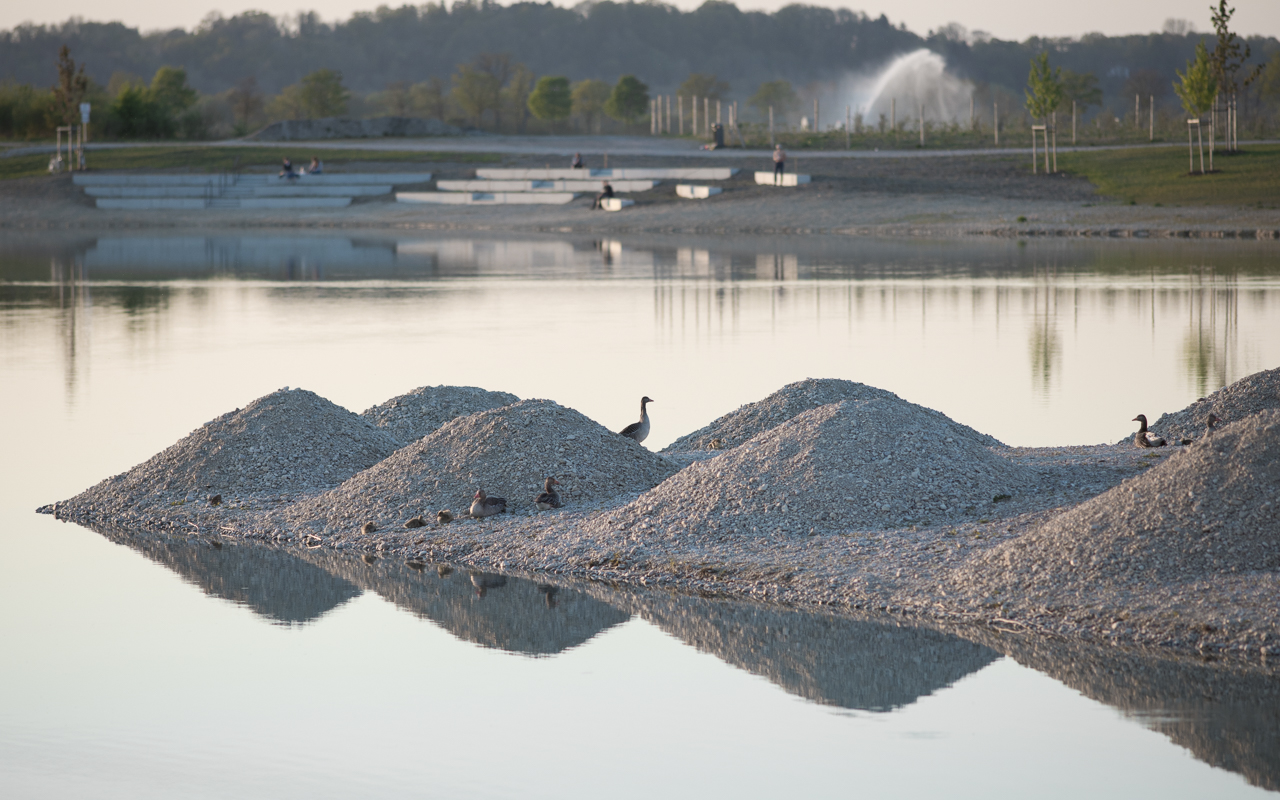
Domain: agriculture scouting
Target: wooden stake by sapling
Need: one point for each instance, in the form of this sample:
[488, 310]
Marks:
[1152, 112]
[816, 127]
[1073, 122]
[848, 119]
[920, 104]
[706, 116]
[680, 110]
[695, 115]
[773, 140]
[995, 120]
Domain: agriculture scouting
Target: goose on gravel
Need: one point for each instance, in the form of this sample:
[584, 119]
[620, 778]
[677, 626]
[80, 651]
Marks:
[639, 430]
[483, 505]
[1143, 438]
[549, 499]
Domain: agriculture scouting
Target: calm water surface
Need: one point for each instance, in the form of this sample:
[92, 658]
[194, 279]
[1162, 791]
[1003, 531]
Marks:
[135, 666]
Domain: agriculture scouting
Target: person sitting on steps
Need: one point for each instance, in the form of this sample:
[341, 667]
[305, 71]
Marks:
[286, 169]
[316, 167]
[605, 193]
[577, 161]
[779, 164]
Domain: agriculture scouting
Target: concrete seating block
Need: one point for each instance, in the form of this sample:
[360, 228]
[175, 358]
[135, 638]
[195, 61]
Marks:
[697, 192]
[628, 173]
[486, 198]
[616, 203]
[542, 186]
[151, 203]
[787, 179]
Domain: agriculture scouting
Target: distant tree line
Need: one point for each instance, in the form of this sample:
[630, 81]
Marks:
[510, 68]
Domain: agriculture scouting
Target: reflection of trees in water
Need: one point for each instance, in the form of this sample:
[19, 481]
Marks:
[1212, 330]
[69, 292]
[1044, 343]
[1228, 716]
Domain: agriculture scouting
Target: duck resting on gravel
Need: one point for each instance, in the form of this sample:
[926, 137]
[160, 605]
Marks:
[1143, 438]
[483, 505]
[549, 499]
[639, 430]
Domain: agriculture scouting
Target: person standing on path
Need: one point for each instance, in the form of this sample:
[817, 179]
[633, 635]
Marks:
[779, 163]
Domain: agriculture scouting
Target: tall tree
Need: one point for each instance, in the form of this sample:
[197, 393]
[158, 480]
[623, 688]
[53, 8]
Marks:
[551, 100]
[1082, 87]
[777, 95]
[516, 95]
[246, 102]
[702, 85]
[1044, 87]
[628, 100]
[1197, 87]
[474, 92]
[70, 90]
[589, 97]
[170, 90]
[323, 95]
[430, 99]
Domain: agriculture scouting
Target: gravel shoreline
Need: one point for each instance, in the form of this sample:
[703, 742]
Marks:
[866, 503]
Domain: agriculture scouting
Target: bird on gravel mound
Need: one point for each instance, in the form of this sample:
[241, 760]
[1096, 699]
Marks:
[639, 430]
[549, 499]
[1143, 438]
[484, 506]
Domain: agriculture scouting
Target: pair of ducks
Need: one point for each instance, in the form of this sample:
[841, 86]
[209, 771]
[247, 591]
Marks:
[1144, 438]
[482, 505]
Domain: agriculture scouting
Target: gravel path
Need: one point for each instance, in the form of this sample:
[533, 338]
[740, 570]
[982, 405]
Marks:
[867, 502]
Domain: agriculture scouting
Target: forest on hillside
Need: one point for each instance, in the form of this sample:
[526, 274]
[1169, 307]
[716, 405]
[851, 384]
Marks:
[246, 70]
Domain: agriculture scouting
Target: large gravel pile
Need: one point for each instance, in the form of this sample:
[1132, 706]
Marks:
[1211, 510]
[290, 441]
[506, 451]
[877, 463]
[1257, 392]
[790, 401]
[411, 416]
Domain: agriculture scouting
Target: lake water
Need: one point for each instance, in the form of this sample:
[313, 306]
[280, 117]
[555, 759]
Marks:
[145, 667]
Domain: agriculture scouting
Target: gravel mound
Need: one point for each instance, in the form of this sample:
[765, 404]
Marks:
[1247, 396]
[291, 441]
[506, 451]
[1212, 509]
[411, 416]
[872, 463]
[790, 401]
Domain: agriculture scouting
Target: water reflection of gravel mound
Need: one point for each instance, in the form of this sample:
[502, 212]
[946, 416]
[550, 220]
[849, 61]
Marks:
[490, 610]
[272, 583]
[1209, 512]
[1257, 392]
[1227, 715]
[827, 659]
[507, 451]
[872, 463]
[288, 441]
[411, 416]
[792, 400]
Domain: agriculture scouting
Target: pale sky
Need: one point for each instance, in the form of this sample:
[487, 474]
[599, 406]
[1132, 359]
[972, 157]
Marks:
[1006, 19]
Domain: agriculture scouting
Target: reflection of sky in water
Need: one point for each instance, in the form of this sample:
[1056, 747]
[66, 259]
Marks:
[121, 678]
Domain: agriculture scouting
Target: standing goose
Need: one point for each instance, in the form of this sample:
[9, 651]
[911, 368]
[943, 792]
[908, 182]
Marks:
[484, 506]
[549, 499]
[1144, 439]
[639, 430]
[1211, 423]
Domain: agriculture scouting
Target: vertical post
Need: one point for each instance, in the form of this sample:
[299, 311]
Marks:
[718, 112]
[816, 127]
[920, 103]
[848, 120]
[1200, 137]
[1152, 112]
[653, 117]
[970, 112]
[667, 116]
[680, 111]
[706, 116]
[1073, 122]
[1213, 133]
[995, 120]
[772, 140]
[695, 115]
[1137, 112]
[1034, 154]
[893, 115]
[1055, 142]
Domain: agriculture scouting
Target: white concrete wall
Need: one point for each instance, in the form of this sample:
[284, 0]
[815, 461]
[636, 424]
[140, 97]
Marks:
[616, 203]
[665, 173]
[486, 198]
[788, 179]
[697, 192]
[543, 186]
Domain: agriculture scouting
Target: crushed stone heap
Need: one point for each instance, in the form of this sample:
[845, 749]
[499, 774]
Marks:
[873, 463]
[291, 440]
[506, 451]
[791, 400]
[1213, 508]
[1247, 396]
[411, 416]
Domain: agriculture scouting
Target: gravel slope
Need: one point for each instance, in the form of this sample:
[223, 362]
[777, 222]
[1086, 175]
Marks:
[411, 416]
[1257, 392]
